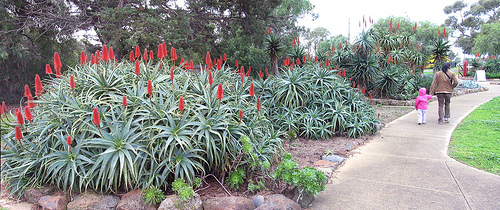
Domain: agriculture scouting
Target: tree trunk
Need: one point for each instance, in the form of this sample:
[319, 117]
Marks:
[274, 65]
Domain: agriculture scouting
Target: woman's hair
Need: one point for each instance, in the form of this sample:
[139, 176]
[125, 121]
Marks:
[445, 67]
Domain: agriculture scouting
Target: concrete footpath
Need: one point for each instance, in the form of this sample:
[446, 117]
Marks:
[406, 166]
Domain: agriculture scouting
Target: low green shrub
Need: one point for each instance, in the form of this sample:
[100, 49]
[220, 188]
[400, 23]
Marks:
[307, 179]
[153, 195]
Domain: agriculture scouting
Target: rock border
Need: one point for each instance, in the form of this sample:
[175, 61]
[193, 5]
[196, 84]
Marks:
[395, 102]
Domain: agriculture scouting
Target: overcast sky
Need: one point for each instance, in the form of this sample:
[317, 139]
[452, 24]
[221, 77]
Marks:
[335, 15]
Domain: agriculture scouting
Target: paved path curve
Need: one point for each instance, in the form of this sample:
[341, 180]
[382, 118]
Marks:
[406, 166]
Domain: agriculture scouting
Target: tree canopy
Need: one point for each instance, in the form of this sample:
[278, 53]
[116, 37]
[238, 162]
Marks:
[467, 20]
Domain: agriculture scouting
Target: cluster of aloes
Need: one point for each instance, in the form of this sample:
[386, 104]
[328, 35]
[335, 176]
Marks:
[107, 125]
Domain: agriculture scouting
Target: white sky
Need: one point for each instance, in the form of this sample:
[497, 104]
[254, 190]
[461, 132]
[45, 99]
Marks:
[335, 15]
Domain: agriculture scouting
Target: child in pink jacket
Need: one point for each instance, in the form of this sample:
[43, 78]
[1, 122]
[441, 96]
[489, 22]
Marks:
[421, 105]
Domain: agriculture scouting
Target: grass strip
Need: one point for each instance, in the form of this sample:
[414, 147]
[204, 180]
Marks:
[476, 140]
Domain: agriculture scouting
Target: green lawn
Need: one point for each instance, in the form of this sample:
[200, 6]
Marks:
[476, 141]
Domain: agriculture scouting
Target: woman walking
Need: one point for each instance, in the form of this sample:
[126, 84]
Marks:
[443, 84]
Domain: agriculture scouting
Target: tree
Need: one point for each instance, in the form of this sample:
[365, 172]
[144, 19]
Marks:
[273, 49]
[468, 22]
[488, 40]
[440, 49]
[30, 33]
[315, 36]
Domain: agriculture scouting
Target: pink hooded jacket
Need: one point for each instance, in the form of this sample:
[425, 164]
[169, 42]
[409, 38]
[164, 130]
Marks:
[421, 101]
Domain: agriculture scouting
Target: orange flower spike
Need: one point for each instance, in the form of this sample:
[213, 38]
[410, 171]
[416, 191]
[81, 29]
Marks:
[151, 56]
[225, 57]
[237, 63]
[137, 68]
[241, 115]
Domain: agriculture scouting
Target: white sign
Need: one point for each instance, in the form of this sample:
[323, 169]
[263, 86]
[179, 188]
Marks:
[480, 76]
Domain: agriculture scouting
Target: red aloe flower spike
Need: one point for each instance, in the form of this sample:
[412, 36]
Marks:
[131, 58]
[92, 59]
[160, 51]
[207, 59]
[182, 61]
[363, 90]
[145, 56]
[48, 70]
[4, 107]
[27, 91]
[258, 104]
[97, 56]
[1, 110]
[151, 56]
[315, 59]
[241, 115]
[343, 72]
[390, 25]
[69, 141]
[304, 59]
[82, 58]
[242, 74]
[137, 68]
[72, 82]
[237, 63]
[19, 134]
[164, 48]
[252, 91]
[225, 57]
[31, 104]
[27, 113]
[370, 96]
[105, 55]
[210, 78]
[150, 89]
[439, 32]
[249, 70]
[124, 101]
[298, 61]
[261, 74]
[137, 51]
[415, 27]
[353, 84]
[181, 104]
[191, 66]
[111, 54]
[220, 93]
[172, 53]
[20, 118]
[172, 75]
[97, 118]
[57, 62]
[327, 62]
